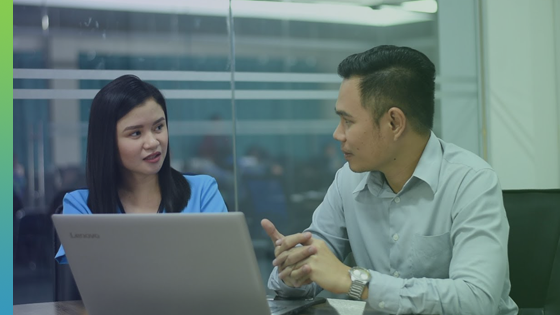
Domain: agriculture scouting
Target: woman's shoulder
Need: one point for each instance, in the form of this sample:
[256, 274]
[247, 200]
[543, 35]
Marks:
[205, 196]
[200, 180]
[76, 201]
[79, 194]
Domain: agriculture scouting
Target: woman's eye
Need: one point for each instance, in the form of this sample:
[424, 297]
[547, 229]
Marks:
[160, 127]
[135, 134]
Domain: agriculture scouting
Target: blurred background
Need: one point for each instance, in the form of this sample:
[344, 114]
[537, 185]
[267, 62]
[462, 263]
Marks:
[251, 88]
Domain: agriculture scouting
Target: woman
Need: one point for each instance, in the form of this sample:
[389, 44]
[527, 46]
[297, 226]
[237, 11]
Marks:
[128, 166]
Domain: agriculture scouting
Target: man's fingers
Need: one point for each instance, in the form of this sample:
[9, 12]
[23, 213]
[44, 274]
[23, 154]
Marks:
[285, 273]
[300, 255]
[290, 241]
[271, 230]
[296, 278]
[301, 276]
[294, 255]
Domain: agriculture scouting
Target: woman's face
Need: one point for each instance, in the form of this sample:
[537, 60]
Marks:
[142, 140]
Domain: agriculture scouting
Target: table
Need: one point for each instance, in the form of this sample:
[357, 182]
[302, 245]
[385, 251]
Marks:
[331, 307]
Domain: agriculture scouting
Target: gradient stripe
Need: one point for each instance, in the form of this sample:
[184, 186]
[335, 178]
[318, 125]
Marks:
[6, 112]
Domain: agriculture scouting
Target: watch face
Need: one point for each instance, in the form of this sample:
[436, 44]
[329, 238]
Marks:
[360, 274]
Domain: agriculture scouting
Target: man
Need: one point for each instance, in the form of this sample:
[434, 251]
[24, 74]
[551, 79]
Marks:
[423, 218]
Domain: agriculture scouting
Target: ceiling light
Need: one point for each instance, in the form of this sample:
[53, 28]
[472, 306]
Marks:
[309, 12]
[426, 6]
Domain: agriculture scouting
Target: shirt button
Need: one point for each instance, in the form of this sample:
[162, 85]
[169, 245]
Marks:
[381, 304]
[397, 199]
[395, 237]
[396, 274]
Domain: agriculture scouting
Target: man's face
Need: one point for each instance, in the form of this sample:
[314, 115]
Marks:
[365, 144]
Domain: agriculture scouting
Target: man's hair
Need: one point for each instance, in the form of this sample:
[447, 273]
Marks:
[392, 76]
[103, 163]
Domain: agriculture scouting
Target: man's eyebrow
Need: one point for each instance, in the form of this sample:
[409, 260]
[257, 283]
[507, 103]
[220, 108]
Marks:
[342, 113]
[140, 126]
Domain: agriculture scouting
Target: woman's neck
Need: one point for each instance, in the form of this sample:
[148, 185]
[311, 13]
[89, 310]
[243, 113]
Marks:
[140, 195]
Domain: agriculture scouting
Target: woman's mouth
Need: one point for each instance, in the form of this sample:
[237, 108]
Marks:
[153, 158]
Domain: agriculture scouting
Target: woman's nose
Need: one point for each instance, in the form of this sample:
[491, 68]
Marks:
[151, 141]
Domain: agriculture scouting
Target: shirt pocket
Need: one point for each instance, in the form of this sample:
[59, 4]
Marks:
[430, 256]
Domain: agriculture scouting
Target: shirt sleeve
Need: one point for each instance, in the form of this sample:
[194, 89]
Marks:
[327, 224]
[71, 204]
[211, 200]
[478, 267]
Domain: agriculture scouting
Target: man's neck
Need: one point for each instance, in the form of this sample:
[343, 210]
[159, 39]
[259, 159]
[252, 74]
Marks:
[405, 161]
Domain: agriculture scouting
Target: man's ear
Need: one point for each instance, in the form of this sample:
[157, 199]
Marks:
[397, 121]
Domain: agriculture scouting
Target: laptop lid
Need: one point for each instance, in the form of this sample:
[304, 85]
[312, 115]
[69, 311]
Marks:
[164, 263]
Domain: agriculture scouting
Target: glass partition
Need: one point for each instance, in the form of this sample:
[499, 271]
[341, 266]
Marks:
[285, 114]
[251, 89]
[64, 52]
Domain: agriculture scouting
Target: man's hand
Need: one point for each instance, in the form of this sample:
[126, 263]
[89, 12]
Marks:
[286, 252]
[322, 267]
[287, 259]
[271, 230]
[283, 243]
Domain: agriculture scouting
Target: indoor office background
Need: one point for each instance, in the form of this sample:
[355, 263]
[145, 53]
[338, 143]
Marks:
[251, 94]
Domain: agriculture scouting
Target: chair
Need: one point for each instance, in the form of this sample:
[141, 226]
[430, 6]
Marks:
[32, 228]
[534, 249]
[32, 260]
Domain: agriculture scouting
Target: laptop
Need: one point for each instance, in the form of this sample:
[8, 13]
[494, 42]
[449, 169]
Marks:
[140, 264]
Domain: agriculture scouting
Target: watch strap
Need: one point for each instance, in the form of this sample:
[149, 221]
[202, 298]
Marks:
[356, 290]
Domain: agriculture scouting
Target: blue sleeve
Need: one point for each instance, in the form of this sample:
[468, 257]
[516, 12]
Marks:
[73, 203]
[210, 198]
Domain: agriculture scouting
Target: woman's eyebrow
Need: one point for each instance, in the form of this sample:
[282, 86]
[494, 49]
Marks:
[140, 126]
[158, 121]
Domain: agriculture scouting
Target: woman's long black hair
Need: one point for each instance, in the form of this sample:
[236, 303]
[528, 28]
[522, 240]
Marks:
[103, 172]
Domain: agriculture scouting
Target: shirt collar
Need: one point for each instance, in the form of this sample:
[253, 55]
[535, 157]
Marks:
[429, 165]
[427, 169]
[362, 183]
[373, 180]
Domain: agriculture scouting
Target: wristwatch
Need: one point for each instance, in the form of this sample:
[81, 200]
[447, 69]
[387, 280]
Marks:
[360, 278]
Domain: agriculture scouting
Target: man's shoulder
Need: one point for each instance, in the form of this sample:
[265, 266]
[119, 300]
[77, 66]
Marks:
[457, 157]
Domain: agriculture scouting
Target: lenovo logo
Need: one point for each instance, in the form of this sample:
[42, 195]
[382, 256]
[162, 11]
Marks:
[84, 235]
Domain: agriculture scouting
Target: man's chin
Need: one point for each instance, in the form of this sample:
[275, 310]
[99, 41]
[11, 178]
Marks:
[356, 168]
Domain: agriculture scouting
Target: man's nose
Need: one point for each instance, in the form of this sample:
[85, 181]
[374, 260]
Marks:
[338, 134]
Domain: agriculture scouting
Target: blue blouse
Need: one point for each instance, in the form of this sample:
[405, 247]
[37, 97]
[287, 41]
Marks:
[205, 197]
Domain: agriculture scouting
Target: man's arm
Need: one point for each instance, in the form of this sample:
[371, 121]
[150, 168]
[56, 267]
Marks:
[328, 225]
